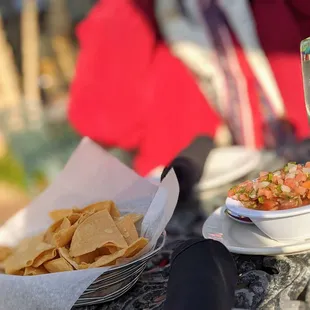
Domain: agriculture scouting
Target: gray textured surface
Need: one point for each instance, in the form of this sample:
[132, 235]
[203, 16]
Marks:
[264, 282]
[280, 282]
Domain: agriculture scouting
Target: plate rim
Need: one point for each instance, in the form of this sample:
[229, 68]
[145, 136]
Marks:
[282, 249]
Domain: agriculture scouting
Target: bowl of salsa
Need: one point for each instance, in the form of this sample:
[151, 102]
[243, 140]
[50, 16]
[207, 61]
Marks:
[277, 202]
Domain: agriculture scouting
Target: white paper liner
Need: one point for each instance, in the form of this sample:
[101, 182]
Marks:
[91, 175]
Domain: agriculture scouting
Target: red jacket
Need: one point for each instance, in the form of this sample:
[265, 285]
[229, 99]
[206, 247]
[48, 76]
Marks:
[130, 92]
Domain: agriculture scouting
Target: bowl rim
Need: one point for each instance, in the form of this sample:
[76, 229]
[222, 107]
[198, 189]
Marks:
[237, 207]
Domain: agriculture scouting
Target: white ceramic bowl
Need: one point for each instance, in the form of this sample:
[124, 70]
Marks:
[282, 225]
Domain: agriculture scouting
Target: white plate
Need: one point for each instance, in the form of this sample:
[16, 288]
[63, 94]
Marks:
[227, 164]
[223, 166]
[247, 239]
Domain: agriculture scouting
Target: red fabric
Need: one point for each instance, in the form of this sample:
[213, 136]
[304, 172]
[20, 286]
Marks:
[117, 47]
[280, 31]
[130, 92]
[177, 112]
[301, 9]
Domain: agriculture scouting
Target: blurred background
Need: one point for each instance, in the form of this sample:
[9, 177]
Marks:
[38, 51]
[145, 78]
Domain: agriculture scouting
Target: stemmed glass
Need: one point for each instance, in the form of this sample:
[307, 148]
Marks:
[305, 62]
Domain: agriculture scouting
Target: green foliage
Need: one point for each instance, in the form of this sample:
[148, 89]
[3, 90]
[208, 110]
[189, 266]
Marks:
[11, 171]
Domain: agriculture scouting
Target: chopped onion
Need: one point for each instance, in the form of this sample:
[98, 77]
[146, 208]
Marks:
[293, 169]
[290, 176]
[291, 165]
[277, 173]
[285, 189]
[306, 170]
[263, 184]
[253, 194]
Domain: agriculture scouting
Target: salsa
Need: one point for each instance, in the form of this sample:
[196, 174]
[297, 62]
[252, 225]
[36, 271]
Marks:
[278, 190]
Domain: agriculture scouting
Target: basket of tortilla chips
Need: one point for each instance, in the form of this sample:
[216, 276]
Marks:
[93, 237]
[87, 238]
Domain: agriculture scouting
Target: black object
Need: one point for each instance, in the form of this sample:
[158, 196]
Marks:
[203, 276]
[189, 164]
[297, 152]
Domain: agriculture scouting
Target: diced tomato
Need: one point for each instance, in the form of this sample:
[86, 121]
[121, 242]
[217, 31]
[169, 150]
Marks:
[290, 183]
[306, 202]
[287, 205]
[231, 193]
[249, 187]
[301, 177]
[306, 184]
[243, 197]
[267, 193]
[268, 205]
[276, 179]
[300, 190]
[260, 192]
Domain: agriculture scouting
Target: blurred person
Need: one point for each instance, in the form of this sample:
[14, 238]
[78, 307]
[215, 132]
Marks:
[154, 75]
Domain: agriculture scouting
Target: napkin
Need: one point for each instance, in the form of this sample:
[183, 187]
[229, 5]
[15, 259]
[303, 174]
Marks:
[91, 175]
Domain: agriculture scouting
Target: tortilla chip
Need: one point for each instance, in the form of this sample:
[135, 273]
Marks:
[94, 236]
[31, 271]
[107, 260]
[103, 205]
[64, 253]
[48, 236]
[77, 210]
[26, 253]
[135, 247]
[57, 215]
[87, 258]
[19, 272]
[84, 266]
[74, 217]
[107, 250]
[134, 217]
[97, 231]
[64, 225]
[5, 252]
[58, 265]
[128, 229]
[132, 250]
[44, 257]
[138, 246]
[61, 232]
[64, 236]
